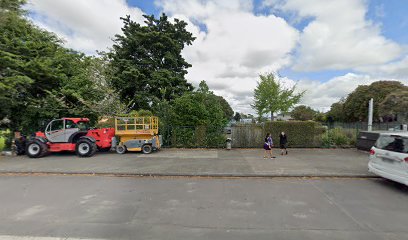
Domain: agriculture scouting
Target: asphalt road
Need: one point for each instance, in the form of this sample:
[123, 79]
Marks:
[73, 207]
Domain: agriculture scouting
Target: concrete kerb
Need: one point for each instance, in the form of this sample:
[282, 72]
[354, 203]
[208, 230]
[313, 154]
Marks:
[184, 175]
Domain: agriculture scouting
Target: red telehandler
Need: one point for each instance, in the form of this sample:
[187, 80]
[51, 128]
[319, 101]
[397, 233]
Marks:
[69, 134]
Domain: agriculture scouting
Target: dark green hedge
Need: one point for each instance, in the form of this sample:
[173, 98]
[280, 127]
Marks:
[300, 134]
[193, 137]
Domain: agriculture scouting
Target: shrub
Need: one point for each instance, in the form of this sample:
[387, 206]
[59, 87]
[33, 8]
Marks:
[2, 140]
[339, 137]
[327, 141]
[5, 140]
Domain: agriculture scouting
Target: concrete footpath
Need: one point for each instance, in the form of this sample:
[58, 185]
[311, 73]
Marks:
[200, 162]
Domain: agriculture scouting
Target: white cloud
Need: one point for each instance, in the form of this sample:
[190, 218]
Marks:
[234, 46]
[85, 25]
[338, 36]
[397, 69]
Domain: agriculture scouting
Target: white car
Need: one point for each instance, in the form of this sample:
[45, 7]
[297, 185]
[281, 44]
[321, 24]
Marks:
[389, 157]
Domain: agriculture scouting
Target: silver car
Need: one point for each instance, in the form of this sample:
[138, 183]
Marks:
[389, 157]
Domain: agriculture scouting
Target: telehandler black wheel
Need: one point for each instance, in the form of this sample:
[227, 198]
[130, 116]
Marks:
[85, 148]
[36, 149]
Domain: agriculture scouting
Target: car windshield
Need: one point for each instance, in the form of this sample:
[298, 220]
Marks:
[393, 143]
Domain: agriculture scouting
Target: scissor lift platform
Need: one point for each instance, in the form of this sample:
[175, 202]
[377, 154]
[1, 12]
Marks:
[137, 134]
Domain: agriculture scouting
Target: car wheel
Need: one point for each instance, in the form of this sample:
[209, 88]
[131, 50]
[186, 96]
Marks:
[85, 148]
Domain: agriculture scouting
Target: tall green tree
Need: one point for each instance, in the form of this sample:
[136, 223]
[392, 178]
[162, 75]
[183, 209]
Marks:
[356, 104]
[395, 105]
[147, 63]
[270, 96]
[27, 72]
[237, 116]
[200, 107]
[12, 6]
[303, 113]
[336, 112]
[226, 108]
[39, 78]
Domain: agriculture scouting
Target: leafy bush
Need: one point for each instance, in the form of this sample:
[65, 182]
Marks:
[196, 119]
[339, 137]
[326, 141]
[2, 142]
[5, 140]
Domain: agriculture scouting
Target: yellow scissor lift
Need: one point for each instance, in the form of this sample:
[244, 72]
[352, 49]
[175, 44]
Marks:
[137, 134]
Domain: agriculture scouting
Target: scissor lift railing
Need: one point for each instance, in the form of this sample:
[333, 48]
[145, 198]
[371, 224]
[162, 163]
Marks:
[126, 126]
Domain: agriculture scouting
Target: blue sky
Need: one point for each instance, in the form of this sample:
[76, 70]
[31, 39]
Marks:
[392, 15]
[327, 48]
[147, 6]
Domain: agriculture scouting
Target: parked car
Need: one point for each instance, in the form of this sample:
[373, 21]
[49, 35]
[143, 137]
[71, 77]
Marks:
[389, 157]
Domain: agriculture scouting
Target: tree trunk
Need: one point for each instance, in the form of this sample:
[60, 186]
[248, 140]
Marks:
[271, 116]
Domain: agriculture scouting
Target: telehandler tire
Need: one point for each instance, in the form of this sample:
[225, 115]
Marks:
[85, 148]
[36, 149]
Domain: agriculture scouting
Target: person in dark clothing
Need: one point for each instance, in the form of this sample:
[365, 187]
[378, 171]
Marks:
[283, 142]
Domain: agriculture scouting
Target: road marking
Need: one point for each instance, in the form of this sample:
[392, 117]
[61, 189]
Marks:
[9, 237]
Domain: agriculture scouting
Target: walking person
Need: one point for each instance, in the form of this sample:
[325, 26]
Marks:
[283, 142]
[268, 144]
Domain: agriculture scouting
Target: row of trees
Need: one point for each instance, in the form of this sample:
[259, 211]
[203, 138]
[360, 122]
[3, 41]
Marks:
[40, 79]
[390, 103]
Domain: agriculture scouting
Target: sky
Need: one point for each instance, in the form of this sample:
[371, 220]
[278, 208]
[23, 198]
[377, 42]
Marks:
[327, 48]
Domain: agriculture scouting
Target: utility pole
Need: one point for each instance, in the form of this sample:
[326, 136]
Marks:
[370, 115]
